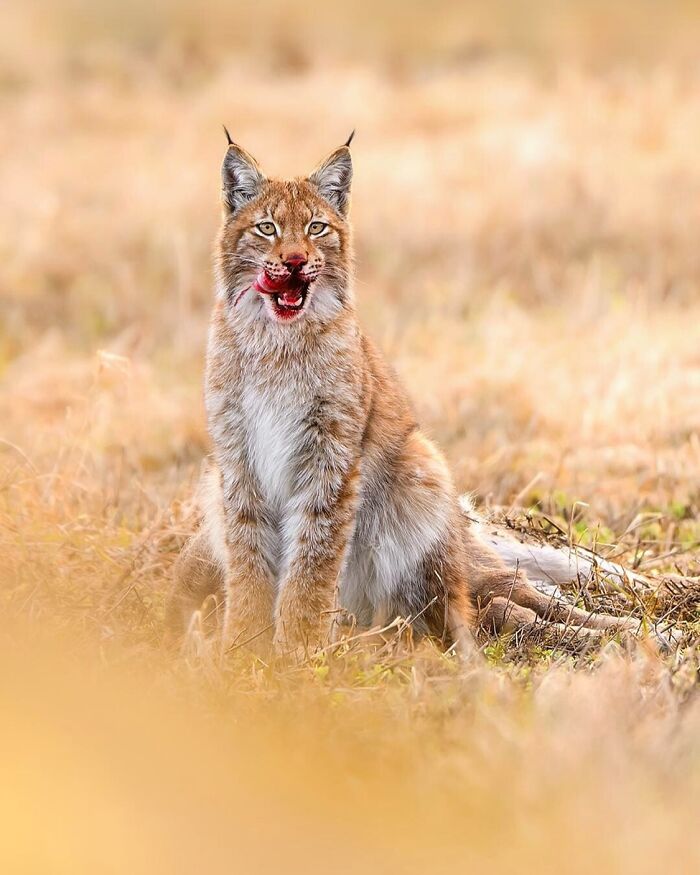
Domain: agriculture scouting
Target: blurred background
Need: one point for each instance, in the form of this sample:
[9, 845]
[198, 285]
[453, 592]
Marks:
[526, 208]
[526, 204]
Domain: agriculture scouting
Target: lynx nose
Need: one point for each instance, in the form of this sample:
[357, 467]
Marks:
[294, 261]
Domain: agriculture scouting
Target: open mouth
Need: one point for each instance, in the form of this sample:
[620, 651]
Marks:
[287, 295]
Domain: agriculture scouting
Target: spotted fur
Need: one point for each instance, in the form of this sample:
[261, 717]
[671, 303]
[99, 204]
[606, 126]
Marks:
[322, 492]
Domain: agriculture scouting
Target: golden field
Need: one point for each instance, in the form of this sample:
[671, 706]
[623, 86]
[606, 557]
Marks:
[526, 208]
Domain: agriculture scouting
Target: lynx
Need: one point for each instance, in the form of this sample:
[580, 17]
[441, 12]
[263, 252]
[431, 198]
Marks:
[322, 492]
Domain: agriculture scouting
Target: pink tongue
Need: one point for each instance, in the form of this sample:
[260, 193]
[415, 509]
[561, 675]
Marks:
[264, 284]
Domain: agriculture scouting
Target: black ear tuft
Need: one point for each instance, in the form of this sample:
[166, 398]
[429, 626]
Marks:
[347, 142]
[241, 177]
[333, 179]
[228, 136]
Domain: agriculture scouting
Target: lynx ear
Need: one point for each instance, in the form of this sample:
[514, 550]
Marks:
[333, 179]
[241, 177]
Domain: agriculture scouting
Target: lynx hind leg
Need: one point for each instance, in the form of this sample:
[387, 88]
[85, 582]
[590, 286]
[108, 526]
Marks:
[421, 550]
[451, 617]
[451, 621]
[461, 624]
[197, 586]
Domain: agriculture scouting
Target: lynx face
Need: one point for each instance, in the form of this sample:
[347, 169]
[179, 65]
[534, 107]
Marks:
[284, 247]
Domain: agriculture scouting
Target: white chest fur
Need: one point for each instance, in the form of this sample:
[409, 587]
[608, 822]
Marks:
[274, 416]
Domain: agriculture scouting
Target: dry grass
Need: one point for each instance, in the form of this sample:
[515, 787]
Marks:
[526, 211]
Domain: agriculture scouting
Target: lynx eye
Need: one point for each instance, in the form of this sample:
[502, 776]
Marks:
[267, 229]
[316, 228]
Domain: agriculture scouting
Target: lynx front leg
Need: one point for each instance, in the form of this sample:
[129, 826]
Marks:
[319, 531]
[248, 582]
[248, 604]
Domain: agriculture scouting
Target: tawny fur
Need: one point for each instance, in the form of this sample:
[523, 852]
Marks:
[322, 492]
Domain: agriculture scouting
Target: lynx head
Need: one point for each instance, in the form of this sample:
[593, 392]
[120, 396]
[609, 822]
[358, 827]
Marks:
[284, 248]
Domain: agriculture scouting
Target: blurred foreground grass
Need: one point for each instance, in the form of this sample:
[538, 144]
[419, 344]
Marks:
[526, 204]
[141, 766]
